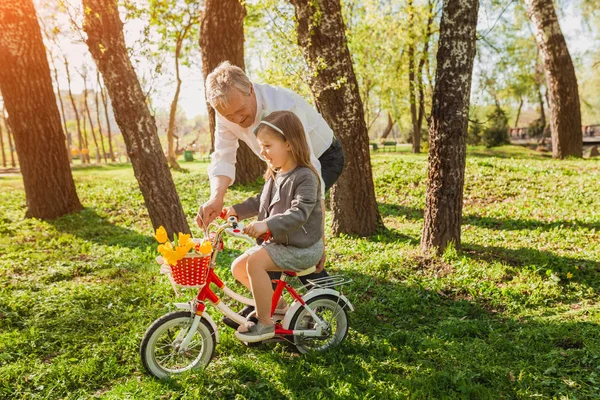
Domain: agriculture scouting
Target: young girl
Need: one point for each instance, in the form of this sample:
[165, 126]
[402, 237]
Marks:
[289, 207]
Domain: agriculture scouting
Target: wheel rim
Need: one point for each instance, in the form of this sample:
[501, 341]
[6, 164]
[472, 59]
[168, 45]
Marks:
[333, 314]
[165, 347]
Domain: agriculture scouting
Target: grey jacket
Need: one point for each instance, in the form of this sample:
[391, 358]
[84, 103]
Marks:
[294, 214]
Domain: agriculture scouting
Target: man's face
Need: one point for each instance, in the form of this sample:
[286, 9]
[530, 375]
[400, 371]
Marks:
[241, 109]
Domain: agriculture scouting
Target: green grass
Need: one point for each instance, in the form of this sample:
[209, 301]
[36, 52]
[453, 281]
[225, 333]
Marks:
[514, 314]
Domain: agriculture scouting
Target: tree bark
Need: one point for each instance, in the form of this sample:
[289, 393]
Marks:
[26, 87]
[565, 113]
[222, 39]
[107, 45]
[322, 37]
[449, 122]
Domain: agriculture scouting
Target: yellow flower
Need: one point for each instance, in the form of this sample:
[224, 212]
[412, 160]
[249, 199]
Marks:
[161, 235]
[184, 239]
[569, 275]
[205, 248]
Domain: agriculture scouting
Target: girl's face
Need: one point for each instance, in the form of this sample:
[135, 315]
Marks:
[274, 148]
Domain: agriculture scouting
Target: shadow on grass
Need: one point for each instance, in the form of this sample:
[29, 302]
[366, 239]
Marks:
[90, 226]
[409, 341]
[507, 224]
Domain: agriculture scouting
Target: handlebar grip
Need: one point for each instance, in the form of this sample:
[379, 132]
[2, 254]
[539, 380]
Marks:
[266, 236]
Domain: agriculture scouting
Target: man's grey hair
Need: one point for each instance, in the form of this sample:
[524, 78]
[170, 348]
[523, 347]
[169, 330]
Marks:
[222, 79]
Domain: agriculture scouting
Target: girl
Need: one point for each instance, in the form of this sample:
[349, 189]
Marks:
[289, 207]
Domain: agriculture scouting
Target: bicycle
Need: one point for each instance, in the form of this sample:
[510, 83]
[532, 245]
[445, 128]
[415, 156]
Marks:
[186, 339]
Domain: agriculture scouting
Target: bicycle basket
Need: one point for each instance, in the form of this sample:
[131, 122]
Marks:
[191, 271]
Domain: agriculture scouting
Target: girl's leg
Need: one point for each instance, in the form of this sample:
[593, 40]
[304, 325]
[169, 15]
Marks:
[239, 270]
[262, 290]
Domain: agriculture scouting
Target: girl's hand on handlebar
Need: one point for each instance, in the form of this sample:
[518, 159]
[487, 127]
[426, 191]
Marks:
[256, 229]
[228, 212]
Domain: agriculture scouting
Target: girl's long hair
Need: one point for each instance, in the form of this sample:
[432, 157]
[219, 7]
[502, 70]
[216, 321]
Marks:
[294, 134]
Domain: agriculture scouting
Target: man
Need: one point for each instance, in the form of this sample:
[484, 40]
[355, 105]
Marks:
[239, 106]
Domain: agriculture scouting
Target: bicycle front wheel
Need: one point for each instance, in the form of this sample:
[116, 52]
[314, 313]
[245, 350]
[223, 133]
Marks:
[328, 308]
[160, 348]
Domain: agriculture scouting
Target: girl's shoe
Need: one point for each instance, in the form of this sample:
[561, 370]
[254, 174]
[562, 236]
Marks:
[252, 332]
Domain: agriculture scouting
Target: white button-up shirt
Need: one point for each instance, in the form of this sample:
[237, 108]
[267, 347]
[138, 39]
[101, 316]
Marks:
[268, 99]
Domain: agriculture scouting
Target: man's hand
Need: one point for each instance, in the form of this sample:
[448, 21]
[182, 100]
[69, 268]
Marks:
[209, 211]
[321, 264]
[255, 229]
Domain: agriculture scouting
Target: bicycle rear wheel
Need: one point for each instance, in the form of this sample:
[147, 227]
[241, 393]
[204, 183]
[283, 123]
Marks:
[160, 346]
[330, 309]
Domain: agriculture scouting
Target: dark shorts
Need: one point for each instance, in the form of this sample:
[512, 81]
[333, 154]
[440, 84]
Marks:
[332, 163]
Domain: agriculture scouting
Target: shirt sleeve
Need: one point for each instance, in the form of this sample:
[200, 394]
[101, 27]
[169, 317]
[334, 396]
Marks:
[313, 158]
[224, 156]
[303, 202]
[248, 208]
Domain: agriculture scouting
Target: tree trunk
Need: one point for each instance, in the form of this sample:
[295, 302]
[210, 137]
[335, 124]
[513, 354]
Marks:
[171, 153]
[422, 61]
[10, 142]
[62, 109]
[222, 39]
[416, 133]
[389, 126]
[98, 119]
[107, 45]
[27, 90]
[449, 122]
[565, 114]
[2, 147]
[322, 37]
[74, 105]
[89, 115]
[105, 104]
[519, 112]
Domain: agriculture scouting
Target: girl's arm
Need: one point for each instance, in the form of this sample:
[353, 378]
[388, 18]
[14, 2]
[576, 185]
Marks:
[304, 201]
[248, 208]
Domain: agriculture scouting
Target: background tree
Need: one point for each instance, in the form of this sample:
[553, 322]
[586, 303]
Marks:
[26, 87]
[321, 35]
[565, 114]
[222, 39]
[449, 123]
[107, 45]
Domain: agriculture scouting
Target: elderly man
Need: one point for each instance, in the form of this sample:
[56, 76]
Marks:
[239, 105]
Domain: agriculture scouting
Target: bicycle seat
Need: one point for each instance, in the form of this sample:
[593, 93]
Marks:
[301, 273]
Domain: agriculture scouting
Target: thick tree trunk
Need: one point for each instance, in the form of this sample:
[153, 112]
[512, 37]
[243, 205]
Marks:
[322, 37]
[107, 45]
[449, 122]
[98, 119]
[565, 114]
[388, 128]
[108, 128]
[222, 39]
[27, 90]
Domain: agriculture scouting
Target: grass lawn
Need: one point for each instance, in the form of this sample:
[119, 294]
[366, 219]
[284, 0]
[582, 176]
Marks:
[514, 314]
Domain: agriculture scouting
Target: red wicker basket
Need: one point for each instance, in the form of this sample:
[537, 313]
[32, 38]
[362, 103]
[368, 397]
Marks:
[191, 271]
